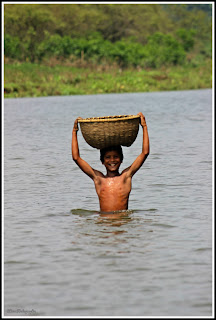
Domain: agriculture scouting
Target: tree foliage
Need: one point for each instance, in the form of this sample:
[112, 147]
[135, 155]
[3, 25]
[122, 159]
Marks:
[129, 34]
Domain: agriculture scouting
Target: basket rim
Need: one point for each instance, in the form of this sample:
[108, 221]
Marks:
[109, 118]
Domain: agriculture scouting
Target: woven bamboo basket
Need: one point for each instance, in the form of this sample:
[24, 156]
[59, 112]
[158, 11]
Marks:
[102, 132]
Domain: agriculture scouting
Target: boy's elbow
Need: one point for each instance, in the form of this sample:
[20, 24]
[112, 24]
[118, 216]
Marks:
[75, 160]
[146, 152]
[75, 157]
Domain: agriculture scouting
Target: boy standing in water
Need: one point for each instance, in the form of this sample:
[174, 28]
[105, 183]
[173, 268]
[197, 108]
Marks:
[113, 189]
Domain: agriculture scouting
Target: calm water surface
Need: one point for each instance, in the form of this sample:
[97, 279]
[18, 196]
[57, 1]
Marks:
[62, 257]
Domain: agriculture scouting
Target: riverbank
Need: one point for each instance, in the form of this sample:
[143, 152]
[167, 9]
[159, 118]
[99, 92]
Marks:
[53, 79]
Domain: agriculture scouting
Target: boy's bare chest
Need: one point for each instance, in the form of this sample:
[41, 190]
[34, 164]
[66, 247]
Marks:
[115, 185]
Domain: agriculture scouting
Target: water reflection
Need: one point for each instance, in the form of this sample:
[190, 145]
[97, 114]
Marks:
[114, 219]
[116, 215]
[106, 220]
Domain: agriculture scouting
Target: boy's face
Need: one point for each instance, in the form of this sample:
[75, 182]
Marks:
[112, 160]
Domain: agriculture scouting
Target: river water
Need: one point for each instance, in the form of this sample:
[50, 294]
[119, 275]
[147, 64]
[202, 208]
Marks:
[62, 257]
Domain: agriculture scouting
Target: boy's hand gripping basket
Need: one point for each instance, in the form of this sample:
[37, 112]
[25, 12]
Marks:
[109, 131]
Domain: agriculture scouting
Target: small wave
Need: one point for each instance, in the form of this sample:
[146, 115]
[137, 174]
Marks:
[82, 212]
[145, 210]
[163, 225]
[203, 249]
[14, 262]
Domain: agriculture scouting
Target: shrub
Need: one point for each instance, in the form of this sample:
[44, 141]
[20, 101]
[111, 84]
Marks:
[163, 49]
[186, 38]
[160, 49]
[12, 47]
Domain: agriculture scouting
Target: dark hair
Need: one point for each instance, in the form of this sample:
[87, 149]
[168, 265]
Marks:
[112, 148]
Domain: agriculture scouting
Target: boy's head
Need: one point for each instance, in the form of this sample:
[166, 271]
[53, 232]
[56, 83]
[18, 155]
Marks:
[113, 148]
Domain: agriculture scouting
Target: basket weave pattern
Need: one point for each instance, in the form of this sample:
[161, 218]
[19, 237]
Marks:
[109, 131]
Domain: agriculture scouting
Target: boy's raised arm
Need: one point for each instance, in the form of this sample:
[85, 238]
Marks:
[145, 149]
[84, 166]
[74, 145]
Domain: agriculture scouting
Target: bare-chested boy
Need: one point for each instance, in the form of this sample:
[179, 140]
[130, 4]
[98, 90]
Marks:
[113, 189]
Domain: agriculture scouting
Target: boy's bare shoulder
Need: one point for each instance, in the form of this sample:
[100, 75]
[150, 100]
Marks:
[99, 174]
[125, 170]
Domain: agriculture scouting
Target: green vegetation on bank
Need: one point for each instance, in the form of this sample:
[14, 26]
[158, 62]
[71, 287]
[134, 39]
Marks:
[34, 80]
[62, 49]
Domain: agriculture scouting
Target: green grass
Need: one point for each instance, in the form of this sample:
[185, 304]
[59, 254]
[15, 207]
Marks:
[34, 80]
